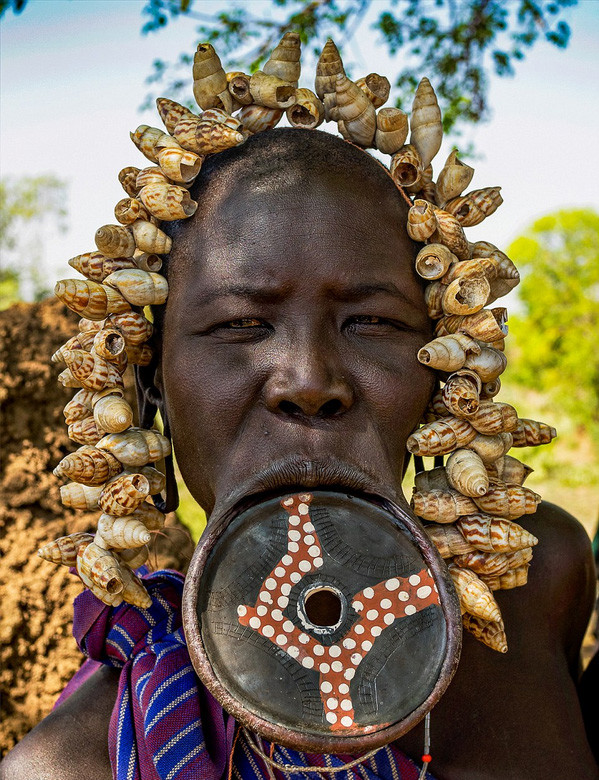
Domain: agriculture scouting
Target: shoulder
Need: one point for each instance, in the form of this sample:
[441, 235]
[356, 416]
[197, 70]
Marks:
[71, 742]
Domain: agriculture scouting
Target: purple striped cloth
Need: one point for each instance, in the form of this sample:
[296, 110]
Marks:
[165, 724]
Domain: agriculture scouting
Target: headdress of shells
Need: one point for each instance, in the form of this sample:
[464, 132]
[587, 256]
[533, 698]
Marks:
[469, 505]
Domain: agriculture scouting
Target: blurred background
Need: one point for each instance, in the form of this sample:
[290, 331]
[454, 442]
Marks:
[517, 83]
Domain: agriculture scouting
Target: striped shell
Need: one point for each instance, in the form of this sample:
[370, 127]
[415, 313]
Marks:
[88, 466]
[440, 437]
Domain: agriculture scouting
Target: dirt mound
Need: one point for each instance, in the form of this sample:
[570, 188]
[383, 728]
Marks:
[37, 652]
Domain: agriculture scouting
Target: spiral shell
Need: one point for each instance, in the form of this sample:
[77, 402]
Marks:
[239, 87]
[124, 494]
[328, 67]
[491, 633]
[513, 578]
[109, 343]
[79, 496]
[308, 111]
[115, 241]
[355, 110]
[425, 122]
[475, 597]
[466, 295]
[179, 165]
[491, 389]
[85, 431]
[530, 433]
[137, 446]
[433, 260]
[156, 479]
[134, 326]
[440, 437]
[284, 62]
[510, 470]
[113, 414]
[436, 408]
[483, 563]
[64, 549]
[486, 325]
[491, 418]
[441, 506]
[172, 113]
[450, 233]
[140, 355]
[88, 466]
[472, 208]
[79, 407]
[153, 174]
[492, 534]
[508, 501]
[66, 379]
[376, 88]
[134, 557]
[391, 130]
[90, 299]
[146, 139]
[489, 364]
[139, 287]
[93, 372]
[73, 343]
[422, 221]
[206, 137]
[111, 599]
[461, 394]
[126, 212]
[210, 87]
[134, 591]
[490, 448]
[150, 516]
[95, 266]
[434, 479]
[168, 201]
[258, 118]
[149, 238]
[128, 180]
[448, 353]
[147, 262]
[433, 297]
[466, 472]
[448, 540]
[453, 179]
[406, 167]
[101, 567]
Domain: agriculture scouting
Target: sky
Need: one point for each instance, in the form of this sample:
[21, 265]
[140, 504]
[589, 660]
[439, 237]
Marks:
[72, 79]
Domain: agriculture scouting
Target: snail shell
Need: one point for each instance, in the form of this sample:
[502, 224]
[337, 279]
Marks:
[126, 212]
[179, 165]
[530, 433]
[146, 139]
[88, 466]
[110, 599]
[328, 67]
[466, 295]
[85, 431]
[461, 394]
[483, 563]
[466, 472]
[64, 549]
[92, 371]
[509, 469]
[453, 179]
[140, 288]
[152, 175]
[134, 591]
[239, 87]
[469, 268]
[434, 479]
[433, 260]
[150, 239]
[508, 501]
[307, 112]
[376, 88]
[140, 355]
[433, 297]
[284, 62]
[423, 185]
[113, 414]
[172, 113]
[513, 578]
[134, 557]
[391, 130]
[406, 166]
[492, 534]
[147, 262]
[134, 326]
[442, 506]
[101, 567]
[355, 111]
[490, 633]
[448, 540]
[258, 118]
[440, 437]
[221, 117]
[137, 446]
[450, 233]
[115, 241]
[73, 343]
[90, 299]
[425, 122]
[95, 266]
[86, 326]
[210, 87]
[422, 221]
[491, 389]
[472, 208]
[520, 557]
[79, 407]
[489, 364]
[168, 201]
[109, 343]
[448, 353]
[66, 379]
[490, 448]
[156, 479]
[486, 325]
[505, 268]
[124, 494]
[270, 91]
[436, 408]
[79, 496]
[152, 518]
[475, 597]
[491, 418]
[128, 180]
[206, 137]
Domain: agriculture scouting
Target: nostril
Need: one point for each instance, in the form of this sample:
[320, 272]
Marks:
[288, 407]
[330, 408]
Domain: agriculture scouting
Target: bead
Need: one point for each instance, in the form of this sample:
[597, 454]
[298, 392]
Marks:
[426, 758]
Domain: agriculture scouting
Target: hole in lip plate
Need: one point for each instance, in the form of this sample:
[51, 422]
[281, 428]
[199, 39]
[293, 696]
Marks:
[322, 608]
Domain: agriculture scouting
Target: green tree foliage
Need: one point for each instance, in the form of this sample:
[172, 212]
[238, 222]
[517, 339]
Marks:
[556, 333]
[25, 206]
[458, 41]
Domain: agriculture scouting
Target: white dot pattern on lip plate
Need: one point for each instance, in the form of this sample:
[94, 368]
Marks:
[377, 606]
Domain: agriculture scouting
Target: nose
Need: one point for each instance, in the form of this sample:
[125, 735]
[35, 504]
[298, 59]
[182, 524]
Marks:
[309, 383]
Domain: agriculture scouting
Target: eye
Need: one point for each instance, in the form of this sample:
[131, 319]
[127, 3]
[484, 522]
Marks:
[245, 322]
[242, 329]
[371, 324]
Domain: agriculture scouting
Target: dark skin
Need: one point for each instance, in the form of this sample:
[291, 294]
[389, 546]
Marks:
[317, 359]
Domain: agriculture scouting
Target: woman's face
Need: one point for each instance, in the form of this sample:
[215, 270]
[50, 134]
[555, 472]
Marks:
[290, 339]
